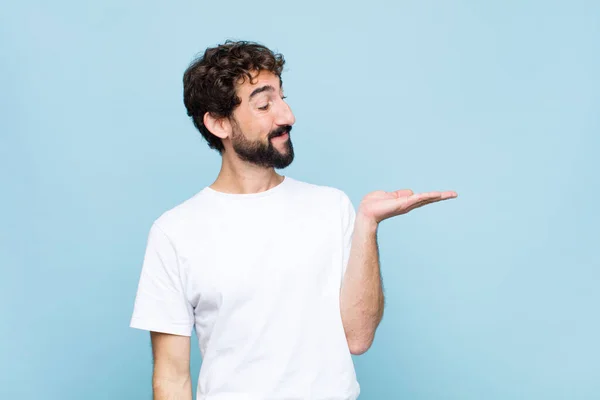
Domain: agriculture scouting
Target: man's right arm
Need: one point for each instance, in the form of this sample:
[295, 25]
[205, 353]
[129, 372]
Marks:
[171, 375]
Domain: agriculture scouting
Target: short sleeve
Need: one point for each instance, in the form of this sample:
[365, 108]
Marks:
[348, 218]
[161, 304]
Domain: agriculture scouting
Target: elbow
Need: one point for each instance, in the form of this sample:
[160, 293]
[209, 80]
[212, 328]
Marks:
[177, 386]
[360, 336]
[360, 339]
[359, 346]
[171, 381]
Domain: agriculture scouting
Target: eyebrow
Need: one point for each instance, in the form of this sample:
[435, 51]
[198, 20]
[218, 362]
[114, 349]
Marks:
[266, 88]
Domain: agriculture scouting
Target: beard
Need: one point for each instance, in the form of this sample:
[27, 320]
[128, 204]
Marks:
[262, 153]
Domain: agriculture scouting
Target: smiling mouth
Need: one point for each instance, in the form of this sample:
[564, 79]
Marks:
[284, 133]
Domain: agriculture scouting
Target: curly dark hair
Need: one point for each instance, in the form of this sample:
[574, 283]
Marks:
[209, 83]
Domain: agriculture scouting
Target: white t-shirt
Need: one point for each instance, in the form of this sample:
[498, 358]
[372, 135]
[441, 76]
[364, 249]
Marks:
[258, 276]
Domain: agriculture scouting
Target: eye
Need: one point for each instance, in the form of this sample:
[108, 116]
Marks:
[264, 108]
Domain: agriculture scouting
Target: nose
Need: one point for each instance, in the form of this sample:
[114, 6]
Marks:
[285, 115]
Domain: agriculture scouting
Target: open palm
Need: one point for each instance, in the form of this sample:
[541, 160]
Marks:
[381, 205]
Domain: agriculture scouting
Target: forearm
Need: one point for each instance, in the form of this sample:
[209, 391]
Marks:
[171, 373]
[172, 387]
[361, 297]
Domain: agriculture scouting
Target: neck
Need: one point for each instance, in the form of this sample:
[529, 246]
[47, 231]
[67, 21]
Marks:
[240, 177]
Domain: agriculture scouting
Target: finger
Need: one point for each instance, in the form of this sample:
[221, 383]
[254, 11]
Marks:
[403, 193]
[436, 195]
[404, 204]
[449, 194]
[422, 202]
[423, 196]
[425, 202]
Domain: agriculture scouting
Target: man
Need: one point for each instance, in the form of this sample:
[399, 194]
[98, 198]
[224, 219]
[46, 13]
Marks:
[279, 278]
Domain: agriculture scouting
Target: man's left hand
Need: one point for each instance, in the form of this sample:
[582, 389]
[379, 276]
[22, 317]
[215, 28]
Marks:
[378, 206]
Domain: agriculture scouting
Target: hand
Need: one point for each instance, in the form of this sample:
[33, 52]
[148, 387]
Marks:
[378, 206]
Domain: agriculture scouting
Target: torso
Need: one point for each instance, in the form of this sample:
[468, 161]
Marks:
[263, 273]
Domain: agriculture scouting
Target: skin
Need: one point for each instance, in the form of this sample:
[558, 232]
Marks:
[256, 122]
[361, 295]
[171, 378]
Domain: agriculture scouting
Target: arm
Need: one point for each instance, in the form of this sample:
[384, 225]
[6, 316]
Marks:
[361, 296]
[171, 375]
[162, 308]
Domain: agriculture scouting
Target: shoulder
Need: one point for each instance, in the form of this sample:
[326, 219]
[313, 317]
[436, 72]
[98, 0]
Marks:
[176, 219]
[331, 194]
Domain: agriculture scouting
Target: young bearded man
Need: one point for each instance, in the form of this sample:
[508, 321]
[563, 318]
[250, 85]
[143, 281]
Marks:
[279, 278]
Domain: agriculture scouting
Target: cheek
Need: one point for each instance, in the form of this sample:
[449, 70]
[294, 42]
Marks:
[255, 126]
[260, 129]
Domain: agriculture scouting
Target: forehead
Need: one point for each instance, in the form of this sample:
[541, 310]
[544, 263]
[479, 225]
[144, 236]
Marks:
[260, 79]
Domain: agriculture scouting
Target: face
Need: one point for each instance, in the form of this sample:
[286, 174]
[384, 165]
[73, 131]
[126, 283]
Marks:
[262, 123]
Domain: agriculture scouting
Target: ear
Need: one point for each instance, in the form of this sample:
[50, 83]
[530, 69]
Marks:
[220, 127]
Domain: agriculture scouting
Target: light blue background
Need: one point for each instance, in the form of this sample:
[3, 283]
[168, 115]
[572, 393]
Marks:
[494, 295]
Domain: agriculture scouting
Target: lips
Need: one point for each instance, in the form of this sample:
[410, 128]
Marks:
[282, 130]
[278, 134]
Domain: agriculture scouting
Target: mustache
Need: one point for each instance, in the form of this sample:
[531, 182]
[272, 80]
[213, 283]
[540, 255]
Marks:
[280, 131]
